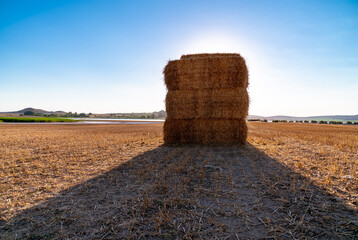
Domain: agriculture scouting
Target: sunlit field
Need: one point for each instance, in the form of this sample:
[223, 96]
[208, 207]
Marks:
[291, 180]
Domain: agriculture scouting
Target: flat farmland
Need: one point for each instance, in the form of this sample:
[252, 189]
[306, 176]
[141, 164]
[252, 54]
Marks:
[290, 181]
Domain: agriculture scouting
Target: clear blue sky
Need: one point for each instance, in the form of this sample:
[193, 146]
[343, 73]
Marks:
[108, 56]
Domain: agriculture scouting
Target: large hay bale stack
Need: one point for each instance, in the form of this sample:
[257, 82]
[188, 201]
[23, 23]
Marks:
[207, 100]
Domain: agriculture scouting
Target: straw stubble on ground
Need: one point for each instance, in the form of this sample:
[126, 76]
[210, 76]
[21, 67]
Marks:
[118, 181]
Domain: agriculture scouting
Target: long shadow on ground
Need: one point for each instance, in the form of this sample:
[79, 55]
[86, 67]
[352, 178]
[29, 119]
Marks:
[190, 192]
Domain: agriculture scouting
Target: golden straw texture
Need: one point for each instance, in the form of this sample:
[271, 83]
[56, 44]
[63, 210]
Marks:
[205, 131]
[206, 73]
[207, 100]
[217, 103]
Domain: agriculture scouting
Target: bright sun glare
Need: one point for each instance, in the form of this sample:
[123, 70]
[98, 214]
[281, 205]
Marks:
[211, 43]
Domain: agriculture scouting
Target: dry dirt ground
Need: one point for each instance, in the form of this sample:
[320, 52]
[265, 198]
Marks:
[290, 181]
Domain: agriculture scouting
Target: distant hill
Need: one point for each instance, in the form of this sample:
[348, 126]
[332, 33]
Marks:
[41, 111]
[318, 118]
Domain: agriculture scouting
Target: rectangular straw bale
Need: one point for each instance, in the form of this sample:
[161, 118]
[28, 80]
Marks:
[206, 73]
[205, 131]
[216, 103]
[207, 100]
[210, 96]
[191, 111]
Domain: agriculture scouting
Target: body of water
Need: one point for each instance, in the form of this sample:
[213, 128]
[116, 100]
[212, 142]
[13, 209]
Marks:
[119, 119]
[95, 121]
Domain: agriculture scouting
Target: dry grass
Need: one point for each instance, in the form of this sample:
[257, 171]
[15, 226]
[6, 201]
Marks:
[328, 155]
[292, 181]
[38, 161]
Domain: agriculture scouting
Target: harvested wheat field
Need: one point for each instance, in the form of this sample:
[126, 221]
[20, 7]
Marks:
[290, 181]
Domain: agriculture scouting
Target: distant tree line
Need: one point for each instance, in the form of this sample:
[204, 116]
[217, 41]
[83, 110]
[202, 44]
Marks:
[153, 115]
[76, 115]
[69, 114]
[304, 121]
